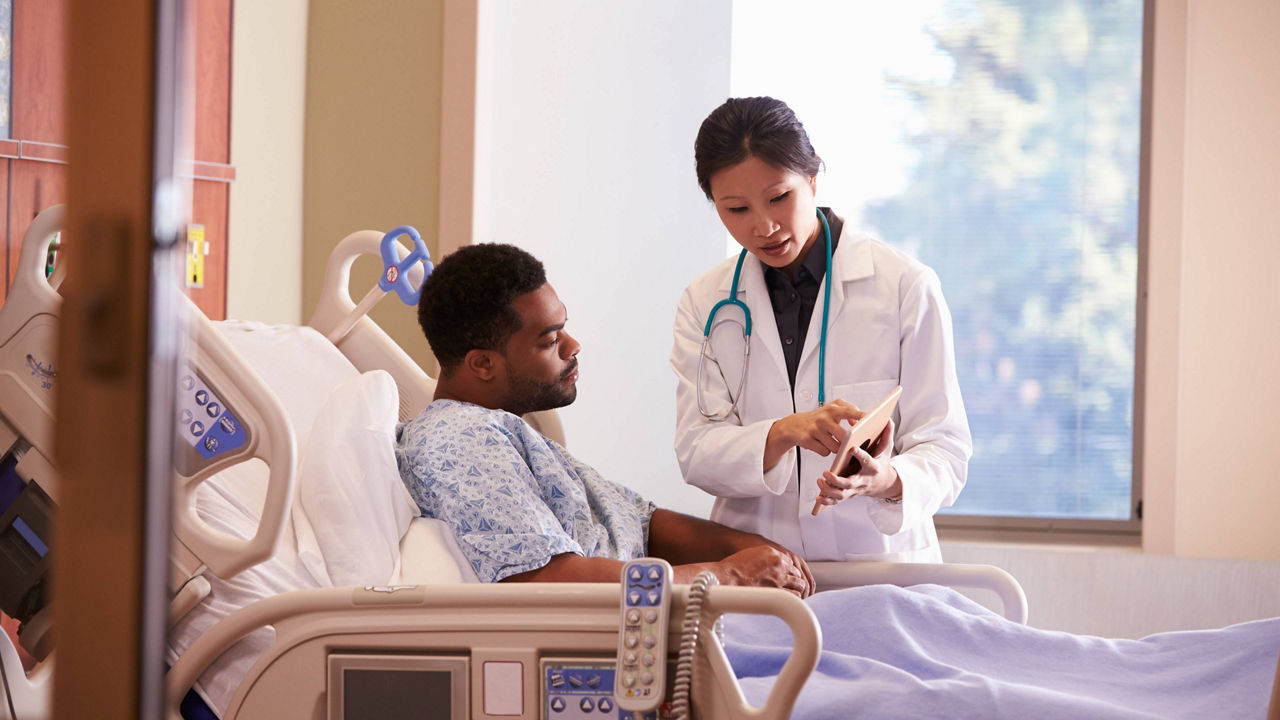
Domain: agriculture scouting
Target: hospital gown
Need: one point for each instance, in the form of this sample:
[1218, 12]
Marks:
[514, 498]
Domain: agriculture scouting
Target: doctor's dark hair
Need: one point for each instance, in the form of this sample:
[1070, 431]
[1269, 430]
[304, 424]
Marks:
[466, 302]
[759, 126]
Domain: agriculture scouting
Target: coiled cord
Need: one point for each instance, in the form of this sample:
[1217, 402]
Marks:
[689, 641]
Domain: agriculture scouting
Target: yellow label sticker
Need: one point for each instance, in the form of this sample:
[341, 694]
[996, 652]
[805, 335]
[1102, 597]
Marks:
[197, 248]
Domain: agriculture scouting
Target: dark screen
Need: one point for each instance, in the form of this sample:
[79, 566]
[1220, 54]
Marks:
[396, 694]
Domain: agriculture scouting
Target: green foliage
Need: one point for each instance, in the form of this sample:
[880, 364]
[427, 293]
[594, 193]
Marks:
[1024, 198]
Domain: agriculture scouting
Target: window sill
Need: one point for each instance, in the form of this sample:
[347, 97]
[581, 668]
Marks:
[1085, 534]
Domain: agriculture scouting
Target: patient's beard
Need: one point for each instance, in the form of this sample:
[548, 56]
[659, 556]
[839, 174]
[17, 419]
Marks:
[526, 394]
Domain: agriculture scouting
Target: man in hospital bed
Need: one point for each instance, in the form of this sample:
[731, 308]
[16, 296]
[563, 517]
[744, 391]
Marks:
[523, 508]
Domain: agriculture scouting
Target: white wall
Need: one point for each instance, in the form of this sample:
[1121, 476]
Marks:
[587, 115]
[1110, 592]
[268, 83]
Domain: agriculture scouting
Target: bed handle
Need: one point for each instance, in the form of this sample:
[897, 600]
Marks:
[832, 575]
[807, 646]
[271, 441]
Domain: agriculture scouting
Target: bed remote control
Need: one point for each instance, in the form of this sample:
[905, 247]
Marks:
[640, 682]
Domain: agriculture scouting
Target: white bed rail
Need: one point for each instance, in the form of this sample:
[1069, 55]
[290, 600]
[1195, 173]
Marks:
[366, 345]
[30, 697]
[833, 575]
[271, 440]
[28, 342]
[542, 618]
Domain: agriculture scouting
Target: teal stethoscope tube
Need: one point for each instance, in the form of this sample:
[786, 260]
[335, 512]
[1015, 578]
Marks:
[746, 334]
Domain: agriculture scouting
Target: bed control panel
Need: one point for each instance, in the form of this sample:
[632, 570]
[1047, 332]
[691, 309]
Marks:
[204, 421]
[581, 690]
[642, 634]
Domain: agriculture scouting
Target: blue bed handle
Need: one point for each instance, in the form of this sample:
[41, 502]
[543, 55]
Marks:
[395, 272]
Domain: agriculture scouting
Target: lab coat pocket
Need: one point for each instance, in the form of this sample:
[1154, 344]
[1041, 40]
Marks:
[865, 395]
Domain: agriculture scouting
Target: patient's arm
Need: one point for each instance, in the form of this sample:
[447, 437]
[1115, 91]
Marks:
[760, 566]
[681, 539]
[692, 545]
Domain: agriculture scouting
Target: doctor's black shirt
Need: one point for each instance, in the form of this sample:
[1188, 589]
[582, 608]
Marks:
[793, 302]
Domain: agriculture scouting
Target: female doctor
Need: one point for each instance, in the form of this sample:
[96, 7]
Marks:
[773, 406]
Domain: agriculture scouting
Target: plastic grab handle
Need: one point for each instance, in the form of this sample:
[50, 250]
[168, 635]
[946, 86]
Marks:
[805, 632]
[231, 378]
[30, 277]
[395, 271]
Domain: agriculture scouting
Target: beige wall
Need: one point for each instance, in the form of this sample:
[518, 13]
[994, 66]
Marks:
[1229, 485]
[269, 53]
[372, 150]
[1212, 415]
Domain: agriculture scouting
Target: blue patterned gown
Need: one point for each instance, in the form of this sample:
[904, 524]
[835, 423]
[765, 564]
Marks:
[514, 498]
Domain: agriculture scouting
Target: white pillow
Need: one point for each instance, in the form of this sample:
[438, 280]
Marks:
[349, 486]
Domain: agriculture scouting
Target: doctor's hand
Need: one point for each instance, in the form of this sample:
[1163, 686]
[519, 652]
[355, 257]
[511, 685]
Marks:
[869, 473]
[817, 430]
[767, 566]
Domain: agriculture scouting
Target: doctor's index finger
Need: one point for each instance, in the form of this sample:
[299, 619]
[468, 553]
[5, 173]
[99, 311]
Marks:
[843, 409]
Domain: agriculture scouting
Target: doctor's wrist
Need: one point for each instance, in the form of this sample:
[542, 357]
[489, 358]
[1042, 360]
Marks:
[893, 495]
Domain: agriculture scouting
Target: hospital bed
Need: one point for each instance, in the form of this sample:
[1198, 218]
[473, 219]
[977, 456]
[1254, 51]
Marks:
[294, 631]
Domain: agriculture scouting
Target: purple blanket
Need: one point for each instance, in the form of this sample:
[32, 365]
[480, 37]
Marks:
[930, 652]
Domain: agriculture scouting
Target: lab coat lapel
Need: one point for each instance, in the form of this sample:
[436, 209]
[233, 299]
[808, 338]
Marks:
[852, 261]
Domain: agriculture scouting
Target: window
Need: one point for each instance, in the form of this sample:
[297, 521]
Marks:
[998, 141]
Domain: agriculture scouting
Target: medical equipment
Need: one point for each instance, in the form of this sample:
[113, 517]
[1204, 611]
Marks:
[640, 681]
[746, 334]
[395, 277]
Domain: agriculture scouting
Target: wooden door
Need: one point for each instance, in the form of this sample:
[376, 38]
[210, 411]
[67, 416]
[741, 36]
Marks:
[33, 158]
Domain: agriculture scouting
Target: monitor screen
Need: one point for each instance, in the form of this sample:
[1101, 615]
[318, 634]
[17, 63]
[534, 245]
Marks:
[397, 687]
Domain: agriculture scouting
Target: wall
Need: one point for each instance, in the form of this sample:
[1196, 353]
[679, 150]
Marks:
[268, 56]
[564, 88]
[372, 143]
[1212, 385]
[1109, 592]
[1228, 493]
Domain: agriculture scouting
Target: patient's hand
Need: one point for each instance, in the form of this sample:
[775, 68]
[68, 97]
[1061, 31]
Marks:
[767, 566]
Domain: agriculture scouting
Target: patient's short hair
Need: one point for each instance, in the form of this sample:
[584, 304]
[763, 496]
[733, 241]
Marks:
[466, 302]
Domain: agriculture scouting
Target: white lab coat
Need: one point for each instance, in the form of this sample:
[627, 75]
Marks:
[889, 325]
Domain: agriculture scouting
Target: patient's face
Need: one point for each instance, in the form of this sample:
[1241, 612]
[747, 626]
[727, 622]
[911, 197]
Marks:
[541, 358]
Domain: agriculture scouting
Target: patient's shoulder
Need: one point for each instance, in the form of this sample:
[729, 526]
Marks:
[463, 427]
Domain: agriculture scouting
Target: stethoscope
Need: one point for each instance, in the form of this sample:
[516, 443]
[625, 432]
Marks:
[746, 334]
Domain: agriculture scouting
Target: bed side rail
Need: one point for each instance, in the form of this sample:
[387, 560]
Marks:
[835, 575]
[559, 612]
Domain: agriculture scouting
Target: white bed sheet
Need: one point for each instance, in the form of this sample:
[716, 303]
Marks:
[353, 522]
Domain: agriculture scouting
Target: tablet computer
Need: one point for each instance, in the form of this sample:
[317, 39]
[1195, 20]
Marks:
[862, 434]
